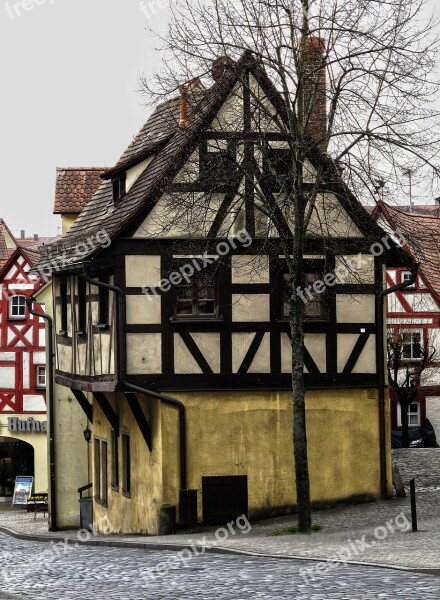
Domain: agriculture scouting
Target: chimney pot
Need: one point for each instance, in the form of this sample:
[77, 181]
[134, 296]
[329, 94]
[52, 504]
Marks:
[22, 234]
[183, 106]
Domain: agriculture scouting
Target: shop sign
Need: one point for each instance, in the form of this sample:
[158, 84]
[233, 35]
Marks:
[26, 425]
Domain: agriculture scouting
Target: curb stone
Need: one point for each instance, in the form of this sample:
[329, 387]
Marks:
[212, 550]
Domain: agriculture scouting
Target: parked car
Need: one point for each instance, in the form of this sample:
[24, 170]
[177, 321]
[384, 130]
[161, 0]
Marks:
[419, 437]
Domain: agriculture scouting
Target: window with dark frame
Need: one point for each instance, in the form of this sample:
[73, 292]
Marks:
[198, 298]
[100, 470]
[63, 305]
[406, 276]
[315, 306]
[40, 376]
[115, 460]
[412, 345]
[103, 317]
[126, 467]
[82, 305]
[276, 166]
[119, 186]
[218, 163]
[17, 307]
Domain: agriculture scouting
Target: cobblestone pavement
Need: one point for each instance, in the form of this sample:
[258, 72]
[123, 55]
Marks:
[399, 547]
[36, 570]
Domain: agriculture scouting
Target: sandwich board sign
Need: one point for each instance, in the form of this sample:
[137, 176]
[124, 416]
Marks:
[22, 489]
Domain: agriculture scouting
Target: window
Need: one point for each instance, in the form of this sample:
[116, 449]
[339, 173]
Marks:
[198, 298]
[103, 317]
[276, 166]
[406, 276]
[412, 345]
[413, 415]
[115, 461]
[100, 464]
[40, 376]
[126, 483]
[82, 305]
[63, 305]
[315, 306]
[218, 164]
[17, 307]
[119, 187]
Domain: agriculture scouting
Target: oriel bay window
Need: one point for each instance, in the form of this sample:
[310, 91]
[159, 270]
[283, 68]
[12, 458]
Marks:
[197, 298]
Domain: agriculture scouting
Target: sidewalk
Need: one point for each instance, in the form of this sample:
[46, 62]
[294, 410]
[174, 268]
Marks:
[353, 534]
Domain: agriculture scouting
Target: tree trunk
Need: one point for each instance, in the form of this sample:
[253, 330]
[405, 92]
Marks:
[404, 416]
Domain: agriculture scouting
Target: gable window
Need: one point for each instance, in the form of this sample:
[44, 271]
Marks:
[315, 305]
[276, 164]
[40, 379]
[119, 187]
[198, 298]
[100, 464]
[406, 276]
[63, 305]
[414, 419]
[218, 163]
[126, 466]
[17, 307]
[412, 345]
[82, 306]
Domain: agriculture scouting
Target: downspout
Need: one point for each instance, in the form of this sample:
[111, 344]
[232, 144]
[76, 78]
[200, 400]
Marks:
[50, 409]
[135, 388]
[380, 345]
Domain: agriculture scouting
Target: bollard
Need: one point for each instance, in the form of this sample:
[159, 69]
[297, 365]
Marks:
[412, 487]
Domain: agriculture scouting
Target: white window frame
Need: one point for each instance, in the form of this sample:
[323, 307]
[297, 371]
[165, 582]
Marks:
[18, 317]
[403, 278]
[39, 370]
[412, 331]
[416, 414]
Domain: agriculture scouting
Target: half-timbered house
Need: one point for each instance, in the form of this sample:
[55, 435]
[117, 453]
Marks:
[174, 339]
[414, 312]
[23, 424]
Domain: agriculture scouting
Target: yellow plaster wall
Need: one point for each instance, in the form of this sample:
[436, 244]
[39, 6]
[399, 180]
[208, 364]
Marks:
[140, 512]
[250, 433]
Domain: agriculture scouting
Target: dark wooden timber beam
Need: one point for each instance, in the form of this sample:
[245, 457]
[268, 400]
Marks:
[140, 418]
[84, 403]
[107, 409]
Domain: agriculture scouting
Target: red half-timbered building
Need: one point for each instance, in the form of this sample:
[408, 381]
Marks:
[414, 312]
[23, 424]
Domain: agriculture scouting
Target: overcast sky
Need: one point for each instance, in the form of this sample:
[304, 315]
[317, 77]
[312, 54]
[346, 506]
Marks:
[69, 75]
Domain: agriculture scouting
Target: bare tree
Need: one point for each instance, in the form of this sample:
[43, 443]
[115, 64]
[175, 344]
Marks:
[353, 81]
[408, 360]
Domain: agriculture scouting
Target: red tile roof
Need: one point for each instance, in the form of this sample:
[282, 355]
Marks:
[422, 236]
[75, 187]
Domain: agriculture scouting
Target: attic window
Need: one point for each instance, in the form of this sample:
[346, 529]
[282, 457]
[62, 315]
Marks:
[276, 164]
[218, 162]
[118, 187]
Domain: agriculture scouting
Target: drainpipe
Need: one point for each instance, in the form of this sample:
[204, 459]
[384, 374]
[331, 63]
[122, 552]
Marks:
[135, 388]
[50, 409]
[380, 343]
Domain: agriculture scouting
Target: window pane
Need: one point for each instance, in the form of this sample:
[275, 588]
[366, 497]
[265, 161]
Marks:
[184, 307]
[206, 307]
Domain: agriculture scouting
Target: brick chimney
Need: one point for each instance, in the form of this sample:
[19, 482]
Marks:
[183, 106]
[315, 87]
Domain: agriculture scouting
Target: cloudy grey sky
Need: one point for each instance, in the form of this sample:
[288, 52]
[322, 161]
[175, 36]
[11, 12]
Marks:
[69, 75]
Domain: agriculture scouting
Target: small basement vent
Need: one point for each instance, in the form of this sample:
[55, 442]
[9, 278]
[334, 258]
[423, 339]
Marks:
[224, 498]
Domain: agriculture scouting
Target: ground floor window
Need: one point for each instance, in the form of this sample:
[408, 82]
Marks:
[115, 461]
[100, 463]
[414, 419]
[126, 478]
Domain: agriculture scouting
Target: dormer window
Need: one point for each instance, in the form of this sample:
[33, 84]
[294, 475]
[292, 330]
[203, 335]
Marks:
[119, 187]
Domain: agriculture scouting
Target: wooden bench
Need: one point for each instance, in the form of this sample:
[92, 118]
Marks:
[37, 503]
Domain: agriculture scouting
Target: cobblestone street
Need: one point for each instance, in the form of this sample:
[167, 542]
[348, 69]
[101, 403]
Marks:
[35, 570]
